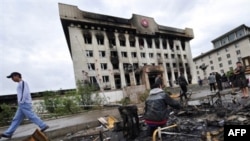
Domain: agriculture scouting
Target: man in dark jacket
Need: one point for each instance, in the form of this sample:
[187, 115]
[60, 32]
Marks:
[183, 84]
[156, 106]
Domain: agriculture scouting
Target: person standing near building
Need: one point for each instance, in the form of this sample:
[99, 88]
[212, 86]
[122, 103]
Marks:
[218, 81]
[212, 81]
[183, 84]
[24, 109]
[241, 79]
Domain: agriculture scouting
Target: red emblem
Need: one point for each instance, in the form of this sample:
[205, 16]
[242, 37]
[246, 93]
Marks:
[144, 23]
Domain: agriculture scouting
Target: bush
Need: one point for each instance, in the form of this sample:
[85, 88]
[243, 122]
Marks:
[7, 113]
[143, 97]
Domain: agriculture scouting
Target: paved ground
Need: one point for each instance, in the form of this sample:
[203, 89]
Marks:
[62, 126]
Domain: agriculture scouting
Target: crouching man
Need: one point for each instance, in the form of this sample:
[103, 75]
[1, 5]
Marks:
[156, 107]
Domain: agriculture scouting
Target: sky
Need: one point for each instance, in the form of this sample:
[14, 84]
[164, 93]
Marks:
[32, 40]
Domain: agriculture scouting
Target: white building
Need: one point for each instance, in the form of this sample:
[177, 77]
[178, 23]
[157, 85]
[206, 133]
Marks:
[117, 52]
[228, 49]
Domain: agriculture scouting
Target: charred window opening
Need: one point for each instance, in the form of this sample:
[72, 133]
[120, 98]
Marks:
[138, 79]
[166, 56]
[171, 44]
[87, 37]
[132, 41]
[174, 65]
[127, 79]
[100, 38]
[183, 45]
[151, 55]
[135, 66]
[114, 59]
[124, 54]
[158, 55]
[89, 53]
[143, 55]
[104, 66]
[164, 44]
[177, 48]
[172, 56]
[127, 67]
[122, 40]
[117, 81]
[157, 43]
[102, 54]
[111, 39]
[149, 42]
[91, 66]
[105, 79]
[133, 55]
[141, 43]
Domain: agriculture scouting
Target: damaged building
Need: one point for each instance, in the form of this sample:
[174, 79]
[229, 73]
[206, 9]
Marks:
[115, 52]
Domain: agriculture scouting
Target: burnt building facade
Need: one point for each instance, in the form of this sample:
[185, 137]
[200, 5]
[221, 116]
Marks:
[115, 52]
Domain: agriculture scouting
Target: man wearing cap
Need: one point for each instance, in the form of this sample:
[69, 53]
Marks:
[24, 109]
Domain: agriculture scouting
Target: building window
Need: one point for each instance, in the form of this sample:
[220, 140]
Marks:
[177, 48]
[92, 80]
[104, 66]
[229, 62]
[174, 65]
[158, 55]
[89, 53]
[222, 71]
[217, 44]
[185, 56]
[100, 38]
[212, 67]
[197, 72]
[238, 52]
[226, 49]
[219, 58]
[240, 33]
[218, 53]
[122, 40]
[221, 65]
[211, 62]
[228, 56]
[133, 55]
[151, 55]
[239, 59]
[236, 45]
[91, 66]
[124, 54]
[179, 56]
[105, 79]
[231, 37]
[87, 37]
[111, 38]
[172, 56]
[166, 56]
[149, 42]
[141, 43]
[142, 55]
[209, 56]
[224, 41]
[102, 54]
[157, 43]
[164, 44]
[132, 41]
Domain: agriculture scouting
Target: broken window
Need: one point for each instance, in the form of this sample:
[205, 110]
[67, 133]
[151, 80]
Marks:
[174, 65]
[185, 56]
[142, 55]
[111, 39]
[164, 44]
[87, 37]
[149, 42]
[114, 59]
[141, 43]
[127, 67]
[183, 45]
[99, 38]
[133, 55]
[92, 80]
[151, 55]
[132, 41]
[177, 48]
[179, 56]
[158, 55]
[171, 44]
[102, 54]
[166, 56]
[157, 43]
[105, 79]
[124, 54]
[172, 56]
[89, 53]
[91, 66]
[104, 66]
[135, 66]
[122, 40]
[117, 81]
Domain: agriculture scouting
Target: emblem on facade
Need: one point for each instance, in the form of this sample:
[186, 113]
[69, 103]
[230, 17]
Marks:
[144, 23]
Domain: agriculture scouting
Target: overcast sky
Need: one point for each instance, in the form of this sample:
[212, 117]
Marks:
[32, 40]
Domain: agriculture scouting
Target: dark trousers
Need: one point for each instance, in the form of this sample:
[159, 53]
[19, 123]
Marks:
[219, 85]
[212, 87]
[184, 91]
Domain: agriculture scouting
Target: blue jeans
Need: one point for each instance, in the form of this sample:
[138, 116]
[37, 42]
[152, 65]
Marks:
[24, 110]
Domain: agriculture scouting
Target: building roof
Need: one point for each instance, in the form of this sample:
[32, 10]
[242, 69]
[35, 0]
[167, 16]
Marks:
[138, 24]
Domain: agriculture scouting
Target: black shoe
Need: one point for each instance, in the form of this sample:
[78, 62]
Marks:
[5, 136]
[45, 128]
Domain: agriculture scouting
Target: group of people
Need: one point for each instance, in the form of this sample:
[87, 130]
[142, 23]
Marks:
[236, 79]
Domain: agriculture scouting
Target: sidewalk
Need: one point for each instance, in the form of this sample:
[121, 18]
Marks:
[62, 126]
